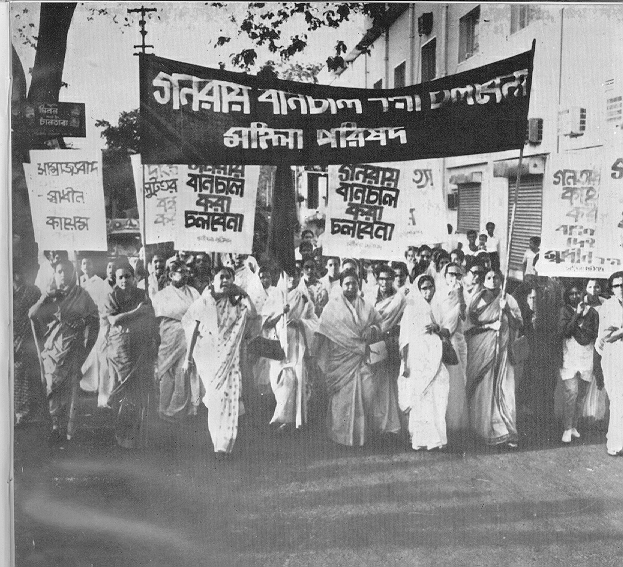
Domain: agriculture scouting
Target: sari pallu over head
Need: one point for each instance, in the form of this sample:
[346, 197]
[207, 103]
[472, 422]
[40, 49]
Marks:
[343, 323]
[425, 349]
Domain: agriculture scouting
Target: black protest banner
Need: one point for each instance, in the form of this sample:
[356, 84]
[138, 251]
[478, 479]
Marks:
[199, 115]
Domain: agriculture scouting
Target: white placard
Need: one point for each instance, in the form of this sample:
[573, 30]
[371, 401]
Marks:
[376, 210]
[216, 208]
[159, 183]
[67, 199]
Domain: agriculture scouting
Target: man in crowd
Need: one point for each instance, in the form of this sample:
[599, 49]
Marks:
[92, 283]
[493, 245]
[313, 288]
[401, 273]
[331, 279]
[157, 278]
[67, 323]
[202, 273]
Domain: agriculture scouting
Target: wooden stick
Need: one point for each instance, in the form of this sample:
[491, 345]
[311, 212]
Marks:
[512, 225]
[73, 406]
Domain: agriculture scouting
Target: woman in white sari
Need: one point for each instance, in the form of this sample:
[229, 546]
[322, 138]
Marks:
[290, 318]
[452, 307]
[424, 383]
[214, 326]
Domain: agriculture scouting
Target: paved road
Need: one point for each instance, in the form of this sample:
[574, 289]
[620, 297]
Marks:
[300, 501]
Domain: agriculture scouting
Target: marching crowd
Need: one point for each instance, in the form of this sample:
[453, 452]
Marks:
[431, 349]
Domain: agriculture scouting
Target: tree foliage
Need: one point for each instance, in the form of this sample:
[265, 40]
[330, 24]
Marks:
[124, 137]
[264, 24]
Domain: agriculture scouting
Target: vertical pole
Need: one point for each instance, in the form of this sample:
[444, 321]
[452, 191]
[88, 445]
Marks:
[144, 233]
[512, 223]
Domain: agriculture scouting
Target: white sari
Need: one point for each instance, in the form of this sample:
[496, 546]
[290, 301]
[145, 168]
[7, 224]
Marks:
[217, 358]
[448, 303]
[424, 393]
[180, 393]
[288, 377]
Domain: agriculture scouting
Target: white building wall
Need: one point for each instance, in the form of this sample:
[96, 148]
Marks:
[590, 39]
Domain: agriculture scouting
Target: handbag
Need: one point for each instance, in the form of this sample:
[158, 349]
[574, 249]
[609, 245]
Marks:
[266, 348]
[378, 352]
[448, 354]
[519, 350]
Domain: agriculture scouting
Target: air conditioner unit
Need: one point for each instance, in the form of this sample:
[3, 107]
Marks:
[534, 133]
[572, 121]
[453, 201]
[425, 24]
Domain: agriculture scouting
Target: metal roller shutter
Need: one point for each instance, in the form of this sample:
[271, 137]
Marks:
[469, 207]
[528, 217]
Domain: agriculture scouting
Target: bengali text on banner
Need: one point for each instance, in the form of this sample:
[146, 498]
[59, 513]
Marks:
[67, 199]
[376, 210]
[575, 242]
[158, 183]
[192, 114]
[216, 208]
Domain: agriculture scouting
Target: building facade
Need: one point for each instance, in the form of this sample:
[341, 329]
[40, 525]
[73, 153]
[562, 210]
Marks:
[575, 106]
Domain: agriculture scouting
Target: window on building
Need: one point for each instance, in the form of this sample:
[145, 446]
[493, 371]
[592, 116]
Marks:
[400, 75]
[469, 207]
[429, 61]
[378, 84]
[520, 16]
[468, 34]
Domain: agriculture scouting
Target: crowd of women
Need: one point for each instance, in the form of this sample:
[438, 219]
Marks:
[431, 350]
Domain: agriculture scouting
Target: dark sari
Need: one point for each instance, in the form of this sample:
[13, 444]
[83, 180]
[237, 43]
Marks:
[26, 374]
[490, 376]
[130, 352]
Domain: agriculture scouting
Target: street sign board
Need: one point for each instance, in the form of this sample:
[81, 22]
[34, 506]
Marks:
[52, 119]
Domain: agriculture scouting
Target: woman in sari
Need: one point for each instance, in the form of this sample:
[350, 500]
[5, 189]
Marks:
[26, 378]
[610, 342]
[214, 326]
[290, 319]
[131, 350]
[451, 304]
[68, 324]
[390, 305]
[348, 325]
[424, 384]
[442, 259]
[180, 392]
[490, 376]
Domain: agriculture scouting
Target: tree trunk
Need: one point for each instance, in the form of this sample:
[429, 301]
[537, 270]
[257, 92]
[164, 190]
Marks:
[47, 73]
[283, 219]
[45, 86]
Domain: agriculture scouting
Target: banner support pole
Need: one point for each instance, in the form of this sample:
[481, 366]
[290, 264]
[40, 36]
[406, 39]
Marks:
[144, 233]
[512, 223]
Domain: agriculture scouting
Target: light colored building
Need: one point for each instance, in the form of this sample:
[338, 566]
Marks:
[576, 102]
